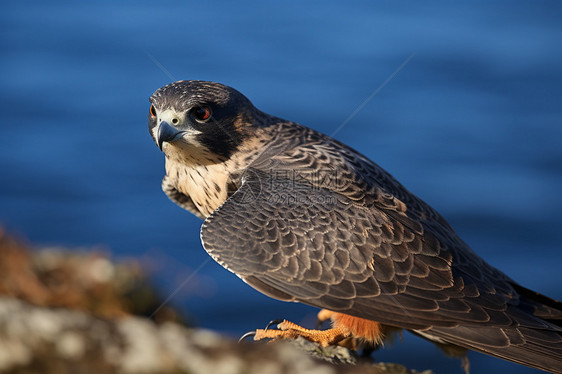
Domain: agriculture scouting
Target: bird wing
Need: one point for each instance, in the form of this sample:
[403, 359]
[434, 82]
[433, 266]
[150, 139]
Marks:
[364, 247]
[318, 247]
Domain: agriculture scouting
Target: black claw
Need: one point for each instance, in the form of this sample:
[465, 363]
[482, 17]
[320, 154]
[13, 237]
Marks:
[274, 322]
[246, 335]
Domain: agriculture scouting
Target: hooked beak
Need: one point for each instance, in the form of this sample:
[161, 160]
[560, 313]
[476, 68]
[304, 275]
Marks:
[167, 133]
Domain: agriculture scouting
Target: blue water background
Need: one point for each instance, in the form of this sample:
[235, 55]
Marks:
[472, 124]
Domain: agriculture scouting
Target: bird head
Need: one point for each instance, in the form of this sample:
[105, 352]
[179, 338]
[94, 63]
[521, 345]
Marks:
[199, 118]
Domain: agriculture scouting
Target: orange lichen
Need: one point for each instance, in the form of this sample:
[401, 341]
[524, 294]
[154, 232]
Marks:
[81, 280]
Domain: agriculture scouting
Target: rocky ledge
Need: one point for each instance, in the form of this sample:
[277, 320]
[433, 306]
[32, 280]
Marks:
[78, 312]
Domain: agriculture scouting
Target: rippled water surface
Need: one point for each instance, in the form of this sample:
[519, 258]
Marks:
[472, 124]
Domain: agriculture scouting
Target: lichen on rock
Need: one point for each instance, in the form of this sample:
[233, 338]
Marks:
[69, 312]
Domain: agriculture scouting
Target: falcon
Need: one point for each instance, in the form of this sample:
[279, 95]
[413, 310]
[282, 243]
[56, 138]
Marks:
[301, 217]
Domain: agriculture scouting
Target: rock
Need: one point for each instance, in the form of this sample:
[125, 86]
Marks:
[333, 354]
[79, 279]
[56, 340]
[73, 312]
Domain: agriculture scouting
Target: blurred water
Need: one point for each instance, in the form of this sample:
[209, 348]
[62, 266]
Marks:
[472, 124]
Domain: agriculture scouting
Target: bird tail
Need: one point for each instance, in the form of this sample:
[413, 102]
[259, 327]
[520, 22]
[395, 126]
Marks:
[540, 305]
[543, 344]
[535, 340]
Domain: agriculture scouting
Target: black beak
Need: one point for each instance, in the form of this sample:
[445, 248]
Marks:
[167, 133]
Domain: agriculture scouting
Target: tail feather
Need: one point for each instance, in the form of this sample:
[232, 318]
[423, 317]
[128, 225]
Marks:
[542, 306]
[540, 349]
[533, 356]
[534, 339]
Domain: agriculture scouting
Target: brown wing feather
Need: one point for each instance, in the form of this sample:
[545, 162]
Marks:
[340, 256]
[367, 247]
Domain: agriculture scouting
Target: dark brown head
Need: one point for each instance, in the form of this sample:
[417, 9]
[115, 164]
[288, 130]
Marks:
[205, 116]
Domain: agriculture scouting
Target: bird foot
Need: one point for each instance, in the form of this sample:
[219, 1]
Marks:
[290, 330]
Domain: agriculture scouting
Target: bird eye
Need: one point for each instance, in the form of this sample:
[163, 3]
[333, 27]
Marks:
[152, 111]
[202, 113]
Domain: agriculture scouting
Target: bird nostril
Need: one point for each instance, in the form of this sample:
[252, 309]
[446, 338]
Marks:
[174, 121]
